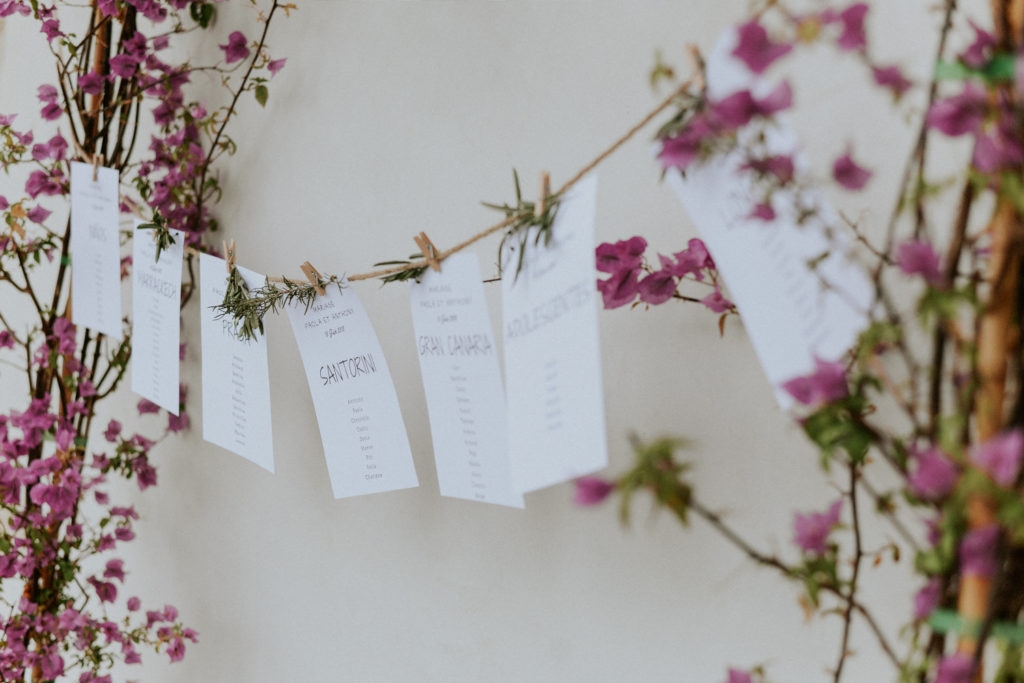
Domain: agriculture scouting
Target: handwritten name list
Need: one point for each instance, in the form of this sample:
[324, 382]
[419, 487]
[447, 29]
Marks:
[95, 250]
[156, 326]
[357, 410]
[462, 383]
[552, 357]
[792, 314]
[236, 379]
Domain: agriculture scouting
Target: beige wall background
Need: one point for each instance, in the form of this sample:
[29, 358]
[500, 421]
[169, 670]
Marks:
[396, 117]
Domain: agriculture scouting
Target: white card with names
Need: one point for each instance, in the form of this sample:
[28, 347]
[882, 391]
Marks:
[462, 382]
[156, 318]
[236, 379]
[552, 355]
[361, 427]
[788, 311]
[95, 250]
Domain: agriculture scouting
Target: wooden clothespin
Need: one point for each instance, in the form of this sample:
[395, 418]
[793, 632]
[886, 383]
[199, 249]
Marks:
[545, 190]
[229, 254]
[313, 275]
[96, 159]
[428, 250]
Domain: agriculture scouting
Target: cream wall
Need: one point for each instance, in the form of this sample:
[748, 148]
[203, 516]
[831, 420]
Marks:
[396, 117]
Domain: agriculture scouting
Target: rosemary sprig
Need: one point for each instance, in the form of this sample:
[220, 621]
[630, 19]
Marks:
[164, 238]
[411, 273]
[247, 308]
[526, 218]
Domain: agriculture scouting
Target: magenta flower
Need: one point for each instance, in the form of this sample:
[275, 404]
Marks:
[236, 48]
[91, 83]
[657, 288]
[105, 590]
[683, 149]
[811, 530]
[146, 406]
[978, 551]
[6, 339]
[124, 65]
[51, 28]
[756, 49]
[963, 113]
[779, 166]
[935, 475]
[996, 150]
[1000, 457]
[779, 99]
[927, 599]
[133, 604]
[827, 383]
[176, 423]
[977, 53]
[763, 211]
[693, 259]
[717, 303]
[955, 668]
[38, 214]
[623, 255]
[736, 110]
[852, 18]
[620, 289]
[848, 174]
[917, 257]
[275, 65]
[592, 490]
[738, 676]
[891, 77]
[51, 665]
[42, 183]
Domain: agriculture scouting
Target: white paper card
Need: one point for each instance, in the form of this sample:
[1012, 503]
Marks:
[95, 250]
[236, 380]
[361, 425]
[790, 316]
[462, 383]
[552, 356]
[156, 319]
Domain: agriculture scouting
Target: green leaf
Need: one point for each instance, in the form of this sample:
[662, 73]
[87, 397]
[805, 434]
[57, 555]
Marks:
[262, 94]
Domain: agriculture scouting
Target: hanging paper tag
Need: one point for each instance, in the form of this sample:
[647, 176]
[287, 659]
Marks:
[462, 383]
[361, 426]
[791, 312]
[156, 318]
[236, 379]
[552, 357]
[95, 250]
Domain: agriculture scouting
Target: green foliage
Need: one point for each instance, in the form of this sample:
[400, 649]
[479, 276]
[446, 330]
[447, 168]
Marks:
[203, 13]
[248, 308]
[840, 426]
[411, 273]
[163, 236]
[526, 223]
[657, 471]
[261, 93]
[999, 69]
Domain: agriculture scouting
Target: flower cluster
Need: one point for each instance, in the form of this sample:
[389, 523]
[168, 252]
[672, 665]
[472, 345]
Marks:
[630, 276]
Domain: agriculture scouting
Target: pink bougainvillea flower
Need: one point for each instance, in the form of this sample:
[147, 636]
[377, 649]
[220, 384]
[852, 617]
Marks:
[779, 166]
[1000, 457]
[133, 604]
[105, 590]
[996, 149]
[978, 52]
[827, 383]
[917, 257]
[848, 174]
[756, 49]
[620, 289]
[124, 65]
[891, 77]
[763, 212]
[275, 65]
[592, 490]
[91, 83]
[6, 339]
[114, 570]
[717, 303]
[46, 93]
[853, 37]
[658, 287]
[978, 551]
[811, 530]
[955, 668]
[683, 149]
[42, 183]
[935, 474]
[736, 110]
[738, 676]
[960, 114]
[177, 423]
[693, 259]
[622, 255]
[235, 49]
[146, 406]
[38, 214]
[779, 99]
[51, 28]
[51, 665]
[926, 599]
